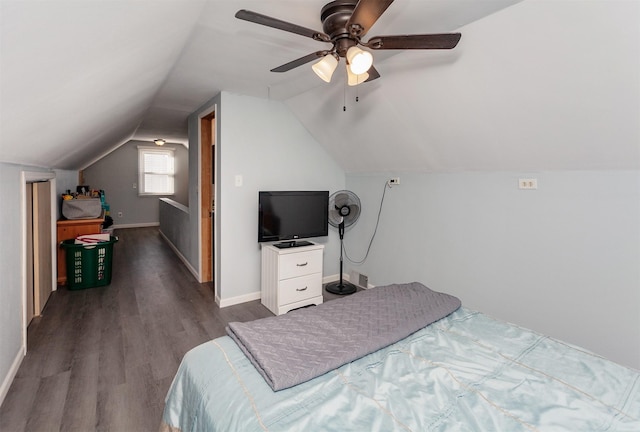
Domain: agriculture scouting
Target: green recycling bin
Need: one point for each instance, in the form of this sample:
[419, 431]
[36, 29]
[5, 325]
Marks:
[89, 265]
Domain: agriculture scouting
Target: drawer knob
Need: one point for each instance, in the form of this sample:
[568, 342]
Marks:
[303, 264]
[301, 289]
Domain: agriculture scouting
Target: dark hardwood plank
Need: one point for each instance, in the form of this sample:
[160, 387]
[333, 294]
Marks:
[17, 405]
[111, 410]
[103, 358]
[47, 408]
[79, 412]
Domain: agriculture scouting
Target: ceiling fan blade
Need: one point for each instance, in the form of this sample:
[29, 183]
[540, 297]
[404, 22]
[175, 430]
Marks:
[425, 41]
[299, 62]
[373, 74]
[365, 14]
[268, 21]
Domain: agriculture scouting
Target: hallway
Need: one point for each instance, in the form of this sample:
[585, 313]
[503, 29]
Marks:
[103, 358]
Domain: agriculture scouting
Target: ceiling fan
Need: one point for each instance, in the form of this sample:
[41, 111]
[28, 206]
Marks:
[345, 23]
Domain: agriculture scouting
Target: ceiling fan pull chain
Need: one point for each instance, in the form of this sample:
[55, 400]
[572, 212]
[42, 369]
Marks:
[344, 98]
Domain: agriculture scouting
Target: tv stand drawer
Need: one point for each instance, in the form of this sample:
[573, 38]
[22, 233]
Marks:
[291, 277]
[300, 288]
[299, 264]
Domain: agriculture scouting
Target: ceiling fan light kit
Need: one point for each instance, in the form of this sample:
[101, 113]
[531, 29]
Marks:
[353, 79]
[325, 67]
[359, 61]
[345, 23]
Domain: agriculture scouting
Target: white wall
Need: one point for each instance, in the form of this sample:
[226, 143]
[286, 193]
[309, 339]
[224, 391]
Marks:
[65, 180]
[12, 262]
[10, 277]
[117, 172]
[563, 260]
[263, 142]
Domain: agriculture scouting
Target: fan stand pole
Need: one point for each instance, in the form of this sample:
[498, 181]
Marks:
[341, 287]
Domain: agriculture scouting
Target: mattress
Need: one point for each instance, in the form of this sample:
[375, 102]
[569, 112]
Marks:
[293, 348]
[465, 372]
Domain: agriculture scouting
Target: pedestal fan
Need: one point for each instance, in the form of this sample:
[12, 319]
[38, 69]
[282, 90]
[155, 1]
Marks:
[344, 211]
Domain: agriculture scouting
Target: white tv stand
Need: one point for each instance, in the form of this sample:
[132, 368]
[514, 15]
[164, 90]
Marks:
[291, 277]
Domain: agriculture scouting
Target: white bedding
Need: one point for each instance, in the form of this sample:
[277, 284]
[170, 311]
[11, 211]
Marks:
[466, 372]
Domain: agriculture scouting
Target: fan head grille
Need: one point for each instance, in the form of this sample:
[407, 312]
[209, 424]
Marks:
[344, 206]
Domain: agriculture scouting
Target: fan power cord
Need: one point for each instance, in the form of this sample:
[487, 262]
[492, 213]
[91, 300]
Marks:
[384, 191]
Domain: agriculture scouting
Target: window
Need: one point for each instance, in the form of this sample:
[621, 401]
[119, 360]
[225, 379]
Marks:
[155, 171]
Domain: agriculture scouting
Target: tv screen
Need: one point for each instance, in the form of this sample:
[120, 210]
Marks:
[290, 215]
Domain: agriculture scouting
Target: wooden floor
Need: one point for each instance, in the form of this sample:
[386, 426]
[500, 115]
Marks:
[103, 358]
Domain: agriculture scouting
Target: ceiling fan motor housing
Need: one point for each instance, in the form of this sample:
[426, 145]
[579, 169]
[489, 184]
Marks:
[334, 17]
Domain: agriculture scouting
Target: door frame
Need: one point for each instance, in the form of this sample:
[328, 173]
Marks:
[30, 177]
[208, 132]
[41, 213]
[207, 127]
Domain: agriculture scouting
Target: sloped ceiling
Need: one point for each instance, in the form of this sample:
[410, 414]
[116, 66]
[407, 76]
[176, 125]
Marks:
[78, 79]
[539, 86]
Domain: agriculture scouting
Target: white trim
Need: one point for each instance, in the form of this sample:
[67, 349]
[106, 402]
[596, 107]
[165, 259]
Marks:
[54, 235]
[199, 195]
[217, 231]
[26, 177]
[176, 204]
[223, 303]
[333, 278]
[13, 370]
[336, 277]
[182, 257]
[136, 225]
[142, 169]
[207, 111]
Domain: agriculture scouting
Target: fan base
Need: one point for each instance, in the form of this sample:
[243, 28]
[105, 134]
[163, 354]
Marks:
[343, 288]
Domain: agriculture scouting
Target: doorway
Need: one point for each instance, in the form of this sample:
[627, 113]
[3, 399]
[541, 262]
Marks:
[38, 222]
[207, 196]
[40, 273]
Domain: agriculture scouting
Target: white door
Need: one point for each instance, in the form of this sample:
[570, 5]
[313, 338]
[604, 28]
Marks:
[30, 311]
[42, 257]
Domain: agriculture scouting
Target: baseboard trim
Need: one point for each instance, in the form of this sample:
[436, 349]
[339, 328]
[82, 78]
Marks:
[333, 278]
[238, 299]
[13, 370]
[136, 225]
[336, 277]
[187, 264]
[222, 303]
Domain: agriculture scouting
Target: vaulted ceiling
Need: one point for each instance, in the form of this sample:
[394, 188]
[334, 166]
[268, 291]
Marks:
[80, 78]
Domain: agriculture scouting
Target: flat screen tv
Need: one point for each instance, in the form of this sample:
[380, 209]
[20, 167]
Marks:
[292, 215]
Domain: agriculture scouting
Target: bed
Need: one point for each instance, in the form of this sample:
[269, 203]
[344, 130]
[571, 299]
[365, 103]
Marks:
[464, 371]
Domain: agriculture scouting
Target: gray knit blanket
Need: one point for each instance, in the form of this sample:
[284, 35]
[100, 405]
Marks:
[303, 344]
